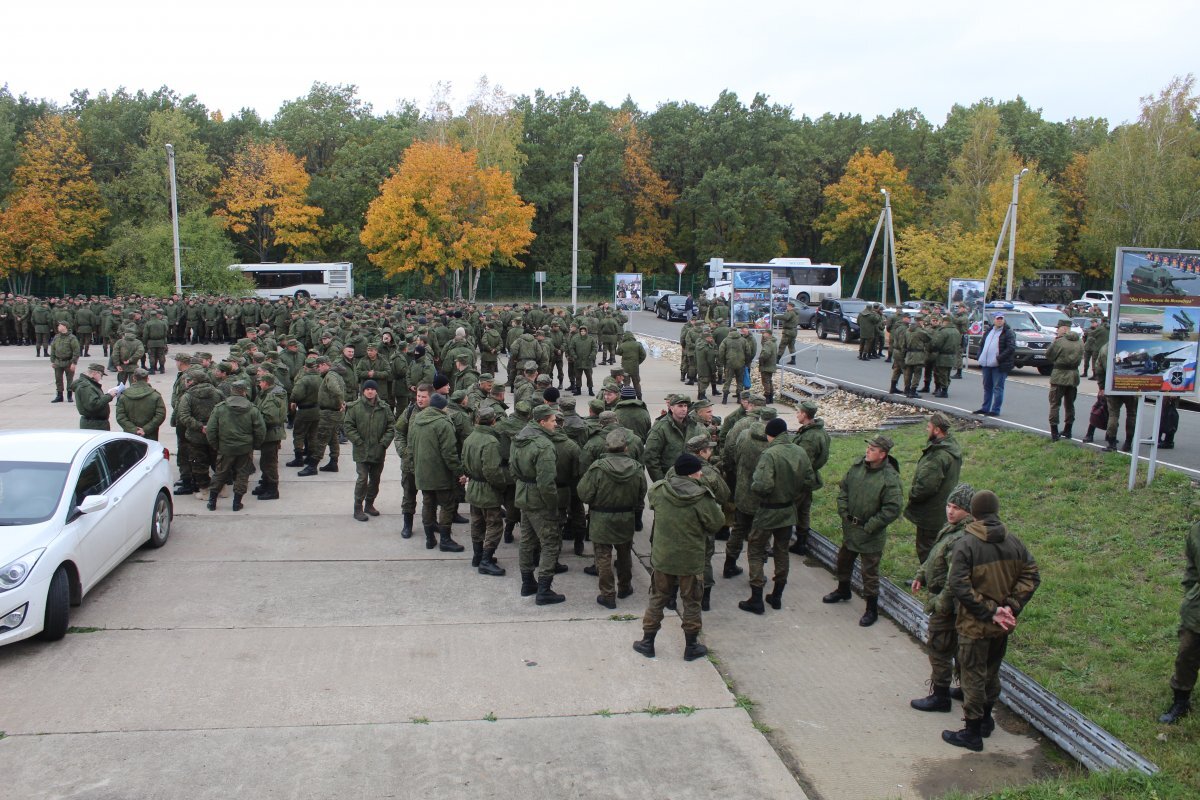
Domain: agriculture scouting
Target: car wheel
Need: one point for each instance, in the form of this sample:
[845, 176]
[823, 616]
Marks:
[844, 333]
[58, 607]
[1046, 370]
[160, 521]
[821, 332]
[803, 297]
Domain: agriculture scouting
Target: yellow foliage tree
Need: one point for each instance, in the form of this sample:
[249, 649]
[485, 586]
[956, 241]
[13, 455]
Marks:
[852, 205]
[927, 258]
[55, 209]
[262, 200]
[648, 197]
[439, 213]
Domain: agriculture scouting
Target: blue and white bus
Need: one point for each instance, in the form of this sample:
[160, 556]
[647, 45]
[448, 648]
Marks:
[792, 279]
[320, 281]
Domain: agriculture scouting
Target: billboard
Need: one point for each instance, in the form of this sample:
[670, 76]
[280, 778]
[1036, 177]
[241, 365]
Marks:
[779, 294]
[627, 291]
[1154, 338]
[751, 302]
[966, 290]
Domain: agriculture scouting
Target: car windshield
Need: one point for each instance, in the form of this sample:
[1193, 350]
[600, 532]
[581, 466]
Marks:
[1048, 318]
[852, 306]
[1020, 322]
[30, 491]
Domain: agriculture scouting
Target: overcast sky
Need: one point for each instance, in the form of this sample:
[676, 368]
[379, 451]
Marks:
[1071, 59]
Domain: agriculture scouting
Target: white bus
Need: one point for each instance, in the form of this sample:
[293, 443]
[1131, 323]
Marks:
[792, 278]
[319, 281]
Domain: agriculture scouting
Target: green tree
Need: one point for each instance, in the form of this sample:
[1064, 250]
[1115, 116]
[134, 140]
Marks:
[141, 257]
[144, 191]
[853, 204]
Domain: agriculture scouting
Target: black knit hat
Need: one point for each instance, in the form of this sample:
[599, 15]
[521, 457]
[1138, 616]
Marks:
[776, 427]
[984, 503]
[687, 464]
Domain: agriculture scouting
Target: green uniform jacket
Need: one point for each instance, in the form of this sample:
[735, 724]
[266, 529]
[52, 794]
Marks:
[632, 354]
[481, 459]
[195, 407]
[566, 466]
[945, 345]
[936, 476]
[935, 572]
[783, 470]
[867, 325]
[1064, 355]
[382, 375]
[141, 406]
[273, 404]
[582, 350]
[155, 332]
[632, 414]
[768, 357]
[685, 514]
[594, 448]
[64, 350]
[666, 442]
[235, 427]
[1189, 612]
[614, 486]
[746, 453]
[127, 352]
[370, 427]
[532, 462]
[706, 361]
[434, 446]
[815, 441]
[788, 320]
[731, 354]
[332, 393]
[916, 344]
[92, 404]
[868, 501]
[899, 343]
[989, 568]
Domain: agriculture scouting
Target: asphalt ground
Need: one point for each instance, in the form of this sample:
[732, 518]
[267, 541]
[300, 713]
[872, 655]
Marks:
[288, 651]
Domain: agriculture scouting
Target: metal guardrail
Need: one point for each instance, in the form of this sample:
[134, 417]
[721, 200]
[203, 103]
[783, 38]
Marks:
[1082, 739]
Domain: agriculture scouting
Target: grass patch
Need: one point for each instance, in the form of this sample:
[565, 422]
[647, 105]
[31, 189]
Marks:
[420, 720]
[604, 712]
[744, 703]
[490, 716]
[763, 728]
[74, 629]
[623, 617]
[1100, 786]
[1101, 631]
[656, 711]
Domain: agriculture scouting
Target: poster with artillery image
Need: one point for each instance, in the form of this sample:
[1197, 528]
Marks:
[752, 290]
[627, 291]
[1154, 338]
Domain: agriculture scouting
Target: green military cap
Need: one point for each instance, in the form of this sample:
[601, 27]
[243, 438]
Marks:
[596, 404]
[615, 442]
[962, 496]
[529, 366]
[498, 389]
[706, 331]
[616, 372]
[607, 416]
[766, 413]
[522, 408]
[542, 412]
[240, 386]
[487, 376]
[141, 373]
[203, 355]
[183, 357]
[941, 420]
[372, 345]
[699, 404]
[196, 374]
[321, 360]
[97, 368]
[128, 329]
[264, 327]
[676, 399]
[196, 361]
[698, 443]
[758, 400]
[485, 415]
[544, 378]
[258, 358]
[809, 407]
[267, 378]
[882, 442]
[458, 396]
[224, 366]
[566, 402]
[544, 329]
[610, 386]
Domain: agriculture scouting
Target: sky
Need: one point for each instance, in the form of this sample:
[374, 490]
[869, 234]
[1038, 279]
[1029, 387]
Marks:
[1071, 59]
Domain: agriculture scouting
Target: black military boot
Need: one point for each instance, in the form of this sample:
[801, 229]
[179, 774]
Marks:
[270, 491]
[1087, 437]
[70, 396]
[956, 693]
[590, 569]
[508, 529]
[725, 399]
[1110, 445]
[800, 546]
[459, 519]
[430, 537]
[731, 569]
[545, 595]
[1179, 709]
[645, 645]
[406, 531]
[186, 486]
[1054, 433]
[957, 374]
[528, 584]
[692, 648]
[310, 468]
[369, 507]
[987, 724]
[969, 737]
[871, 614]
[842, 592]
[723, 534]
[258, 487]
[637, 522]
[1128, 446]
[577, 545]
[775, 598]
[476, 553]
[938, 700]
[560, 568]
[924, 389]
[606, 600]
[893, 389]
[705, 601]
[298, 461]
[488, 565]
[331, 466]
[359, 514]
[1066, 432]
[448, 545]
[755, 604]
[58, 398]
[212, 499]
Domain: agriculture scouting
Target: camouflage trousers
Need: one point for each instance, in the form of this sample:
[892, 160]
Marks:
[787, 342]
[408, 483]
[327, 435]
[979, 667]
[1115, 404]
[157, 356]
[304, 430]
[238, 467]
[710, 549]
[739, 532]
[366, 485]
[268, 462]
[438, 507]
[759, 537]
[486, 526]
[605, 564]
[541, 542]
[803, 513]
[662, 588]
[200, 459]
[1187, 660]
[768, 382]
[1064, 396]
[943, 647]
[63, 375]
[869, 565]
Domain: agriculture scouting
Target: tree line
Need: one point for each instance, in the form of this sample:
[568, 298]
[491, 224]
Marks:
[445, 193]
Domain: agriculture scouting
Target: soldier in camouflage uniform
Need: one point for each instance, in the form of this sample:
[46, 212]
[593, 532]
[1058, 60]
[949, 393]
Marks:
[614, 487]
[533, 463]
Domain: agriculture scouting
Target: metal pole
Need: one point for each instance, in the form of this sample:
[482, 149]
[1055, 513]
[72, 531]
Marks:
[1137, 441]
[1154, 439]
[575, 238]
[870, 251]
[1012, 232]
[891, 232]
[887, 212]
[174, 217]
[987, 286]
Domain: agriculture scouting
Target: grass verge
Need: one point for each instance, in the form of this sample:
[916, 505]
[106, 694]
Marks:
[1101, 631]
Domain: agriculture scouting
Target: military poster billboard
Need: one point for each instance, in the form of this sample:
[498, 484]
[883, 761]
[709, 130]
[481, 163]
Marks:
[966, 290]
[627, 291]
[751, 302]
[1154, 339]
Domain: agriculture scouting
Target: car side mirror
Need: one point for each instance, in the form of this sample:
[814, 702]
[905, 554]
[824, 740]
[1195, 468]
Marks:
[93, 503]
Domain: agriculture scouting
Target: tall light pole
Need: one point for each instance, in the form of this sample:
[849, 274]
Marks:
[174, 217]
[1012, 231]
[575, 237]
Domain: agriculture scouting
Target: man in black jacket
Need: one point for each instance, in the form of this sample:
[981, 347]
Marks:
[997, 353]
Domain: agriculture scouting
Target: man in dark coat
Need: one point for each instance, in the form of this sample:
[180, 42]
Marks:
[935, 477]
[997, 354]
[91, 401]
[614, 487]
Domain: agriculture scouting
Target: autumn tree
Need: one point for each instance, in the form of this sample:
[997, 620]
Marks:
[648, 198]
[262, 200]
[440, 213]
[52, 216]
[853, 204]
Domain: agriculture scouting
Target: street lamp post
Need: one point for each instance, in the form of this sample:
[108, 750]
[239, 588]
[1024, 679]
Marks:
[575, 237]
[1012, 231]
[174, 217]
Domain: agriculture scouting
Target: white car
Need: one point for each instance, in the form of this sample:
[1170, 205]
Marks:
[73, 505]
[1048, 318]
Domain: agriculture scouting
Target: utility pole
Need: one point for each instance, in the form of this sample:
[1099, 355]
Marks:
[575, 237]
[1012, 231]
[175, 217]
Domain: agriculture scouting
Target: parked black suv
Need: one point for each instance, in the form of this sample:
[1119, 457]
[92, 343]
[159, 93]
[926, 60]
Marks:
[839, 317]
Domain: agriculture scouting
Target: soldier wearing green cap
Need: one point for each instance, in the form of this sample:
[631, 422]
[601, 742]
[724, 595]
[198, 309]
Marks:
[235, 430]
[140, 408]
[935, 477]
[127, 352]
[614, 487]
[487, 478]
[91, 400]
[869, 499]
[534, 465]
[272, 403]
[64, 355]
[668, 436]
[812, 436]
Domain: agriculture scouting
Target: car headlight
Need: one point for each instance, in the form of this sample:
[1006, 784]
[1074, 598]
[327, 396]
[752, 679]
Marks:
[13, 573]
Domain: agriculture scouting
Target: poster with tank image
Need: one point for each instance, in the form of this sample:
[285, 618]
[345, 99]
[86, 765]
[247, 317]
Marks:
[752, 289]
[779, 294]
[966, 290]
[1153, 337]
[627, 291]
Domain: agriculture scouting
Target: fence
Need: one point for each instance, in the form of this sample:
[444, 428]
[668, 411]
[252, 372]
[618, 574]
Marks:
[517, 286]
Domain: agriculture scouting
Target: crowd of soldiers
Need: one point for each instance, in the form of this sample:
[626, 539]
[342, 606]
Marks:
[423, 379]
